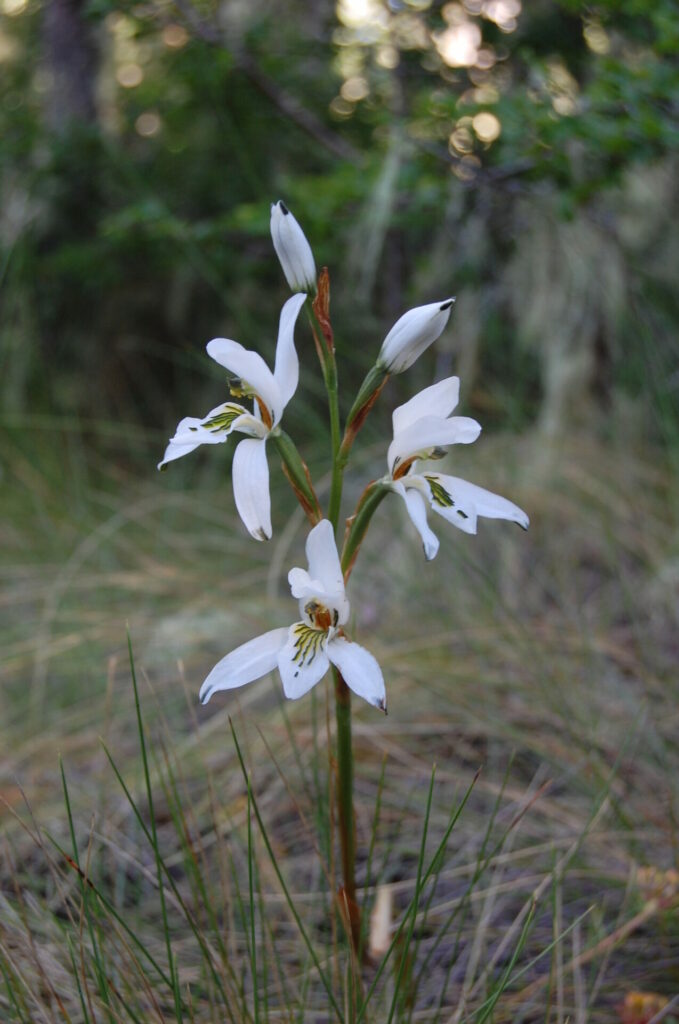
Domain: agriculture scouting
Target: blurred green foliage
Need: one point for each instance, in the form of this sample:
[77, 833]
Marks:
[417, 142]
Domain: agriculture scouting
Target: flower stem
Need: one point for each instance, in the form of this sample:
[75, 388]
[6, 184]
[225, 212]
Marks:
[319, 316]
[338, 464]
[349, 908]
[318, 313]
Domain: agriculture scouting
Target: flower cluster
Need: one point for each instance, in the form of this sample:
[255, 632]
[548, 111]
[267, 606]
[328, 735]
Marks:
[423, 427]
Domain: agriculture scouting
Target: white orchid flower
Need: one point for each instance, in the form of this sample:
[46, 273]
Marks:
[293, 250]
[423, 427]
[412, 334]
[270, 392]
[304, 651]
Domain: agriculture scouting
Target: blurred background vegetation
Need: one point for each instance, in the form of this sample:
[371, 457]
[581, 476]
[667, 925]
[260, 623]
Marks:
[523, 157]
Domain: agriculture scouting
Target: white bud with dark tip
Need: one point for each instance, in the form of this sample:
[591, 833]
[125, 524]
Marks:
[292, 249]
[412, 334]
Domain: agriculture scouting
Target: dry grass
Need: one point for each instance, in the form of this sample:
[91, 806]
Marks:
[547, 660]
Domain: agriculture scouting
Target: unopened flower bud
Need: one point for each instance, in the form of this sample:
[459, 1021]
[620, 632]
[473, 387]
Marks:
[292, 249]
[412, 334]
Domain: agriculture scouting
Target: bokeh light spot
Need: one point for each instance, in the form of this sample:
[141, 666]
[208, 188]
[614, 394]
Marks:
[503, 12]
[361, 13]
[387, 57]
[8, 47]
[12, 8]
[175, 36]
[459, 44]
[354, 89]
[129, 76]
[596, 38]
[466, 168]
[341, 108]
[564, 105]
[147, 124]
[461, 140]
[487, 126]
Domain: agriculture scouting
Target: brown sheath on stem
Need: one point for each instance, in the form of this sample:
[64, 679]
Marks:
[312, 512]
[321, 308]
[360, 417]
[351, 915]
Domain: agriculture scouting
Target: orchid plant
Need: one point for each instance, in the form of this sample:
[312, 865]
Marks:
[424, 428]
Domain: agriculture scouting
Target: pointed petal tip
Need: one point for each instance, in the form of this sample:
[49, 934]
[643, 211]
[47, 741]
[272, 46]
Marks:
[448, 303]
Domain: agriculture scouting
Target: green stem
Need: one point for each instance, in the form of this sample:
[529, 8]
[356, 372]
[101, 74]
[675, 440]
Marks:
[345, 759]
[338, 463]
[328, 363]
[345, 756]
[345, 774]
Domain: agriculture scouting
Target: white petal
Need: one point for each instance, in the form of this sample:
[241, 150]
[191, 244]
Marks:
[301, 583]
[250, 473]
[251, 368]
[324, 562]
[302, 662]
[360, 671]
[324, 581]
[438, 400]
[250, 423]
[412, 334]
[417, 510]
[293, 249]
[306, 589]
[286, 370]
[248, 662]
[461, 503]
[431, 432]
[188, 436]
[321, 552]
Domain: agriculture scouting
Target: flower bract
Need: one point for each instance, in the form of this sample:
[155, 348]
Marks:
[292, 249]
[412, 334]
[304, 651]
[270, 393]
[423, 428]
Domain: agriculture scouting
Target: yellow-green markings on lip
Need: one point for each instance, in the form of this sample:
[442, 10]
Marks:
[222, 420]
[438, 493]
[441, 497]
[307, 643]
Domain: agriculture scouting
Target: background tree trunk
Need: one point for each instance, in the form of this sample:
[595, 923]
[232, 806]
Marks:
[71, 54]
